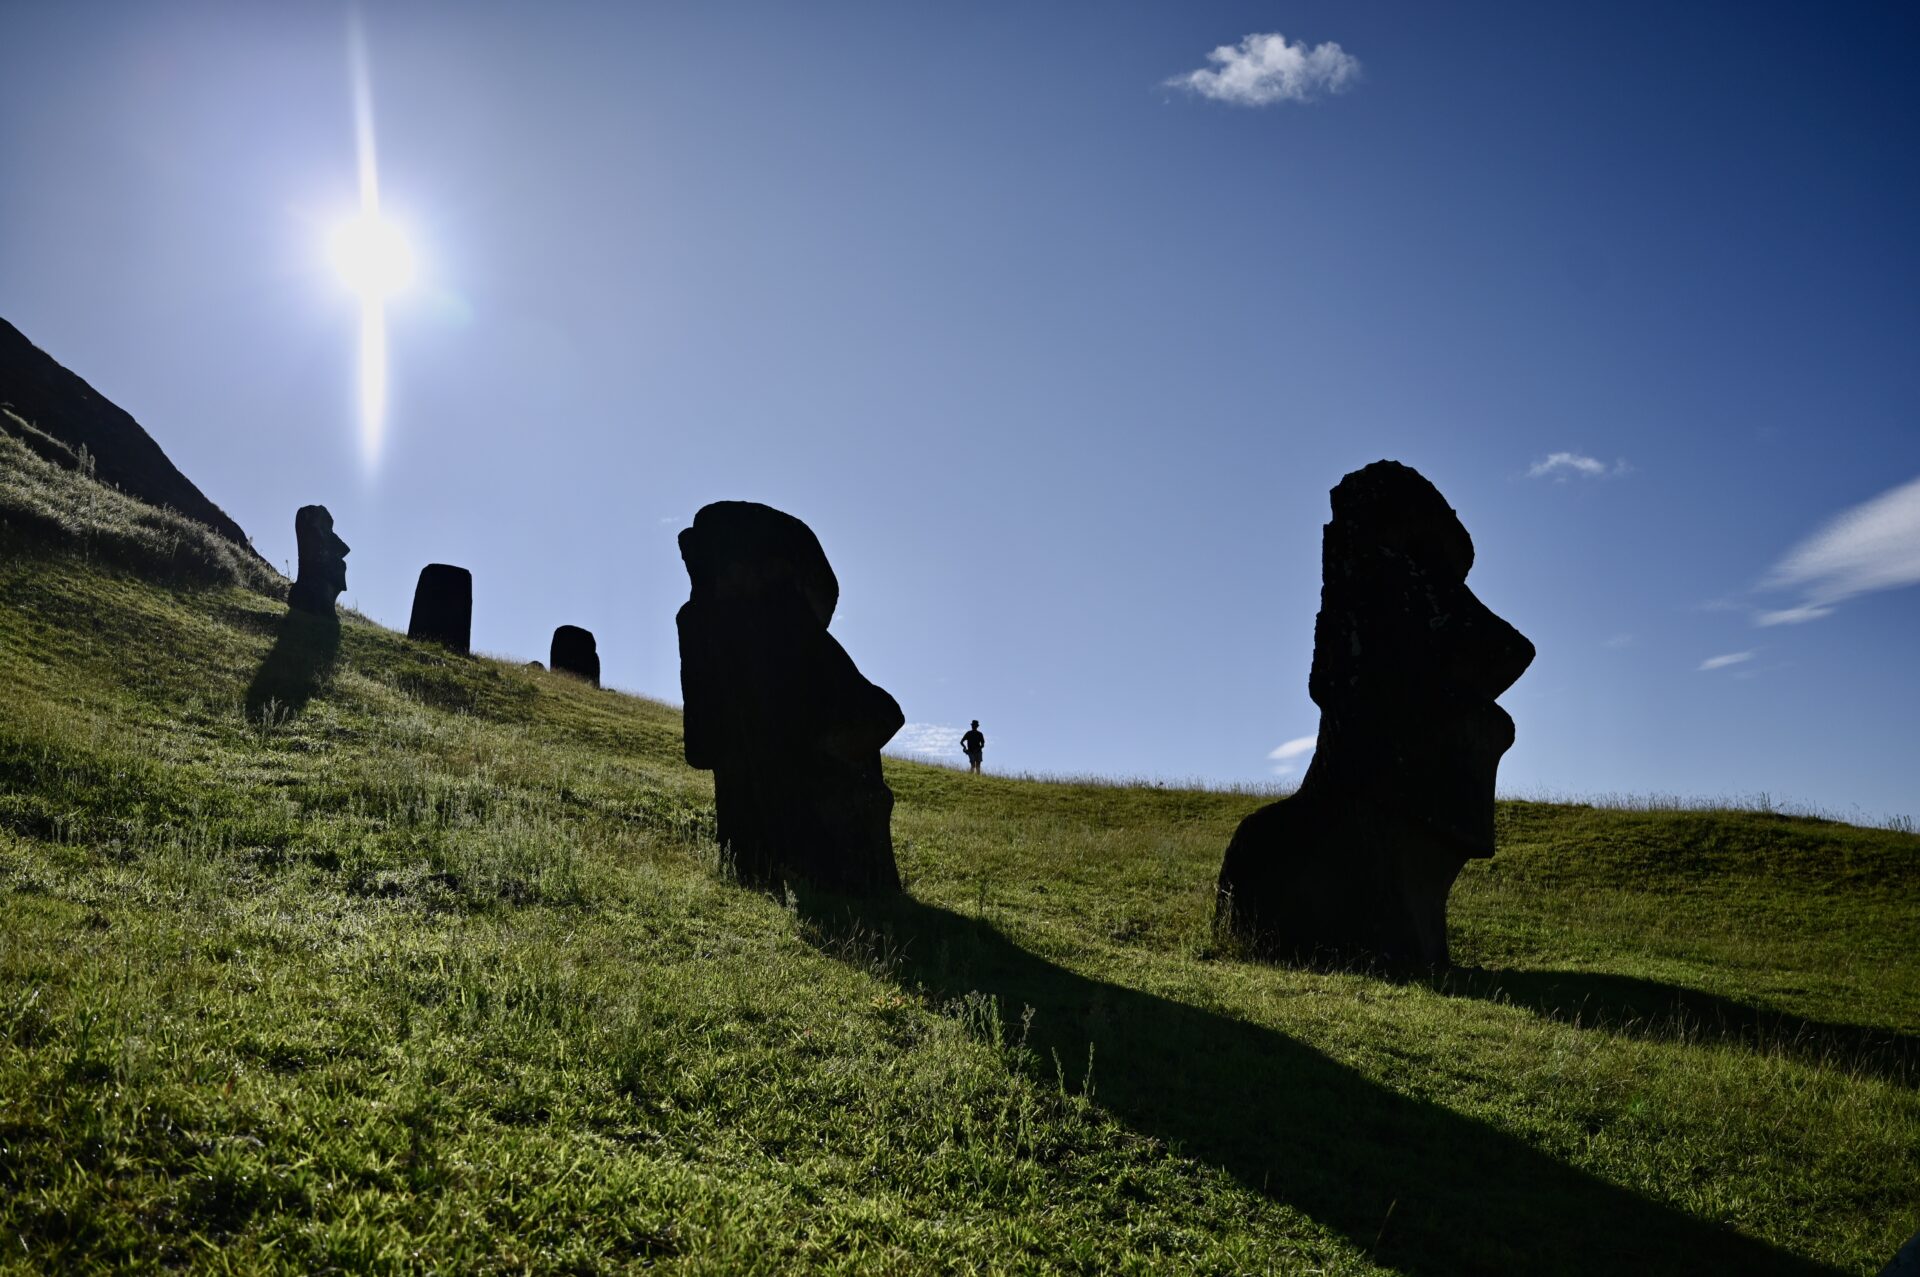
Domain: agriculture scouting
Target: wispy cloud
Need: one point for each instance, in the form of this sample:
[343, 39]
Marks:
[1792, 615]
[1264, 69]
[1620, 640]
[1284, 755]
[1561, 466]
[1731, 658]
[927, 740]
[1874, 546]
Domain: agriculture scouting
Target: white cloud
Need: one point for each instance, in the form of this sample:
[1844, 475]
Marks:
[1792, 615]
[1563, 465]
[1284, 755]
[1874, 546]
[1620, 640]
[928, 740]
[1731, 658]
[1263, 69]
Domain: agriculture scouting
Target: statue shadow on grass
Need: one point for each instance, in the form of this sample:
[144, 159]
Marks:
[1651, 1009]
[1416, 1186]
[299, 664]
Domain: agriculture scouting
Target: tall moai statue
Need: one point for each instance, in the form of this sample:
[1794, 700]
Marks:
[443, 607]
[1356, 866]
[776, 709]
[574, 652]
[322, 571]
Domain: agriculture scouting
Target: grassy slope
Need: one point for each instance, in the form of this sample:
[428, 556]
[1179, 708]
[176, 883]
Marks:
[49, 497]
[435, 968]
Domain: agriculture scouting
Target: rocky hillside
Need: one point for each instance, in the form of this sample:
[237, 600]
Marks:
[62, 406]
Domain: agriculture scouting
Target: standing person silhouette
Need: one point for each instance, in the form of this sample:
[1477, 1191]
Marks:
[973, 744]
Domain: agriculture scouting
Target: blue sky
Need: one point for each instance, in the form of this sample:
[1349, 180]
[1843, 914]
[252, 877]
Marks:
[1058, 347]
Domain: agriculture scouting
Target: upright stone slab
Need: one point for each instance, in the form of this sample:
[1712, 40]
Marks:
[1905, 1263]
[443, 607]
[1356, 866]
[574, 652]
[776, 709]
[322, 572]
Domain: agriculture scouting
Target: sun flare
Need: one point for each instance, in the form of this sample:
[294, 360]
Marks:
[371, 256]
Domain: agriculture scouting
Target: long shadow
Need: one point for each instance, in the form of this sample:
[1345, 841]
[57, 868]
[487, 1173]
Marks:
[1417, 1186]
[299, 663]
[1669, 1012]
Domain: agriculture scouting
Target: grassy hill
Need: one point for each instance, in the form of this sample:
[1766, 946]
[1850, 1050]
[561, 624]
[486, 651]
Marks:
[332, 952]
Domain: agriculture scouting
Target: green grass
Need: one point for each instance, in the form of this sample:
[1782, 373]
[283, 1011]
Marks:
[50, 498]
[324, 951]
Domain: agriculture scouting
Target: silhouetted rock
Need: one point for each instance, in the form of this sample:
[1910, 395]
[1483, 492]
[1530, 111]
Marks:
[323, 562]
[1357, 865]
[1907, 1262]
[776, 709]
[535, 665]
[67, 409]
[443, 607]
[573, 652]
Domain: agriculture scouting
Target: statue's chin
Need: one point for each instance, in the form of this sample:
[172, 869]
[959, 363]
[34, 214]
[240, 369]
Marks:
[1440, 782]
[1462, 810]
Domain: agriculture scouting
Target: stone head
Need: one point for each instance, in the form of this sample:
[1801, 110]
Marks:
[744, 553]
[1407, 661]
[323, 555]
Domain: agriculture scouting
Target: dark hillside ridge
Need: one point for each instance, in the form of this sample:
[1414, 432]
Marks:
[66, 408]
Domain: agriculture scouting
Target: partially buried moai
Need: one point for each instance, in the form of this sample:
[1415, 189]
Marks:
[1356, 866]
[573, 652]
[776, 710]
[443, 607]
[322, 572]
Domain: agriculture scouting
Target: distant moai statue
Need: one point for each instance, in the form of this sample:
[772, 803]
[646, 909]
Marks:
[1356, 866]
[443, 607]
[573, 652]
[322, 572]
[776, 709]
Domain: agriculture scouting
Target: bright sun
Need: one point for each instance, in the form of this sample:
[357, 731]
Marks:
[371, 255]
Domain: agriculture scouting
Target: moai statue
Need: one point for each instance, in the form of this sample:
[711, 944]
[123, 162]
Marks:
[776, 710]
[322, 573]
[443, 607]
[1356, 866]
[573, 652]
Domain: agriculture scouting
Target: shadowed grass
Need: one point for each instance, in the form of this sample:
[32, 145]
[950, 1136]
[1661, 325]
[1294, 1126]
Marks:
[1420, 1186]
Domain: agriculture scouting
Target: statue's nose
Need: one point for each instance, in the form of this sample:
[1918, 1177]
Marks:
[1494, 654]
